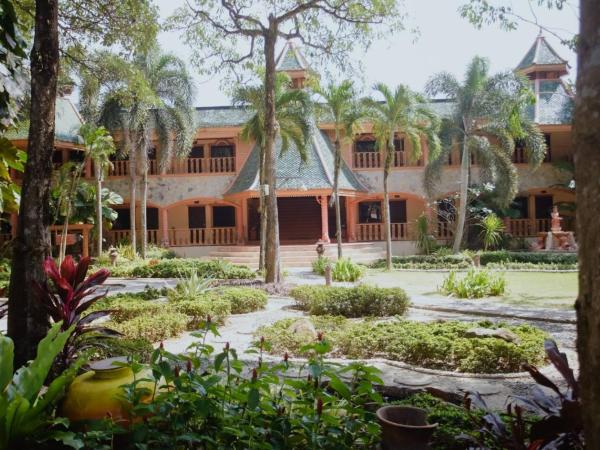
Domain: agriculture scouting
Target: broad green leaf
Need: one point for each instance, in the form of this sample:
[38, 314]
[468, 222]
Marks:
[6, 361]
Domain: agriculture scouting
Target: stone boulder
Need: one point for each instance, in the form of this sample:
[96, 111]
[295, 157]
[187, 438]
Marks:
[304, 328]
[500, 333]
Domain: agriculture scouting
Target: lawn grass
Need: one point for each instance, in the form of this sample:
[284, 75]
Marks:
[524, 289]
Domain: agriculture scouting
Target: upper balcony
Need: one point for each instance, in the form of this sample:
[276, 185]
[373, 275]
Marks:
[365, 154]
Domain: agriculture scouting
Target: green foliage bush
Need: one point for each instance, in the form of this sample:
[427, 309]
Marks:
[359, 301]
[476, 283]
[346, 270]
[437, 345]
[542, 258]
[319, 264]
[242, 299]
[152, 327]
[178, 267]
[532, 267]
[452, 420]
[197, 310]
[127, 310]
[140, 349]
[427, 262]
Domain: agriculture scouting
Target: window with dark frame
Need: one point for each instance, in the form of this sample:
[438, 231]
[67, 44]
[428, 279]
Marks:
[222, 151]
[369, 212]
[223, 216]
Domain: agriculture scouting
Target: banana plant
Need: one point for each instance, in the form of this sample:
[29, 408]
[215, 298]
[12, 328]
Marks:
[25, 402]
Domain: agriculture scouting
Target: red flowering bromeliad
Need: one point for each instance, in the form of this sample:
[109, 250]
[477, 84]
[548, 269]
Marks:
[67, 294]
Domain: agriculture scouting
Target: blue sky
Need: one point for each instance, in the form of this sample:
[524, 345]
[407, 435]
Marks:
[445, 42]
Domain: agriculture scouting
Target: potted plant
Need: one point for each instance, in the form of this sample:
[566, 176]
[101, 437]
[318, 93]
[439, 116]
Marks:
[404, 427]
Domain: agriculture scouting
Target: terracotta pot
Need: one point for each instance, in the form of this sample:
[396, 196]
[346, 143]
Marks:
[404, 428]
[98, 393]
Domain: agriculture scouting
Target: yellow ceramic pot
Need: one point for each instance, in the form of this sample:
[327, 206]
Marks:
[98, 393]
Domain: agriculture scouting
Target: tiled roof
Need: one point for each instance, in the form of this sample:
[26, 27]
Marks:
[294, 174]
[540, 53]
[67, 124]
[221, 116]
[555, 104]
[291, 58]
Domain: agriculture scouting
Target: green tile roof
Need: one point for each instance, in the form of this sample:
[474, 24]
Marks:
[540, 53]
[291, 58]
[67, 124]
[294, 174]
[555, 103]
[221, 116]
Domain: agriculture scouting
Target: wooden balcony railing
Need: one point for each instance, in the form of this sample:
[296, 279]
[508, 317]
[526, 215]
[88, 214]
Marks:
[373, 160]
[118, 236]
[528, 227]
[204, 165]
[121, 168]
[184, 237]
[375, 231]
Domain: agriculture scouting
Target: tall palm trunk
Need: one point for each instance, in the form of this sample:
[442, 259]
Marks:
[69, 199]
[462, 208]
[389, 154]
[132, 196]
[27, 318]
[99, 237]
[336, 193]
[144, 203]
[262, 207]
[272, 263]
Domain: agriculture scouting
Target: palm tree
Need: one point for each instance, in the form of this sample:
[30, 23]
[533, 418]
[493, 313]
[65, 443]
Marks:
[153, 95]
[100, 147]
[341, 108]
[401, 112]
[489, 114]
[292, 116]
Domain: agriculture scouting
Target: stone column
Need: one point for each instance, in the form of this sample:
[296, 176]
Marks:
[324, 220]
[164, 226]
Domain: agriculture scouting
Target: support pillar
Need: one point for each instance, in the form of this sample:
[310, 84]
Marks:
[208, 211]
[324, 220]
[164, 226]
[531, 214]
[351, 221]
[239, 223]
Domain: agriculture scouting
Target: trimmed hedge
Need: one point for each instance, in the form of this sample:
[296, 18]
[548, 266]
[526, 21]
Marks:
[140, 349]
[543, 258]
[427, 262]
[359, 301]
[177, 267]
[199, 309]
[434, 345]
[243, 299]
[152, 327]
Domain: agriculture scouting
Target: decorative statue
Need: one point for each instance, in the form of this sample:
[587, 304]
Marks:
[320, 248]
[555, 221]
[113, 254]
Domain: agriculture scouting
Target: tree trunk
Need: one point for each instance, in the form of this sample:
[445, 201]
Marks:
[386, 204]
[27, 319]
[464, 191]
[336, 193]
[144, 204]
[587, 167]
[263, 212]
[70, 195]
[273, 271]
[99, 237]
[132, 199]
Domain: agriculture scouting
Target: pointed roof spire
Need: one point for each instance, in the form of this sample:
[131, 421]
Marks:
[291, 59]
[541, 54]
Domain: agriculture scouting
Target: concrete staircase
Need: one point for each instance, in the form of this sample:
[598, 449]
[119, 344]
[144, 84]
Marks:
[300, 255]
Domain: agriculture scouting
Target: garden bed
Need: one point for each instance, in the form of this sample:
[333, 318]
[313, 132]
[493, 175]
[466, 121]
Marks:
[450, 346]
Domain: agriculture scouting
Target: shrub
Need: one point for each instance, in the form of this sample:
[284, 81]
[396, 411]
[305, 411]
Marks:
[319, 264]
[426, 242]
[153, 327]
[529, 257]
[492, 229]
[199, 309]
[127, 310]
[438, 345]
[428, 262]
[192, 285]
[177, 267]
[156, 252]
[345, 270]
[243, 299]
[531, 266]
[476, 283]
[359, 301]
[452, 420]
[140, 349]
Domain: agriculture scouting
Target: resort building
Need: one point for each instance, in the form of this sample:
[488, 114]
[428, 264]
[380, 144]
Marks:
[207, 204]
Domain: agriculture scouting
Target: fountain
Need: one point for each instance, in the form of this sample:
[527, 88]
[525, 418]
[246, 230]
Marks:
[556, 238]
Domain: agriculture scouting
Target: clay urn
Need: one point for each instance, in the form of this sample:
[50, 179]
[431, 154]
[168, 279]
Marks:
[404, 428]
[99, 392]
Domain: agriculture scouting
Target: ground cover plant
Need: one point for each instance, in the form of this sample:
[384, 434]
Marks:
[208, 399]
[428, 262]
[144, 316]
[342, 269]
[476, 283]
[451, 345]
[359, 301]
